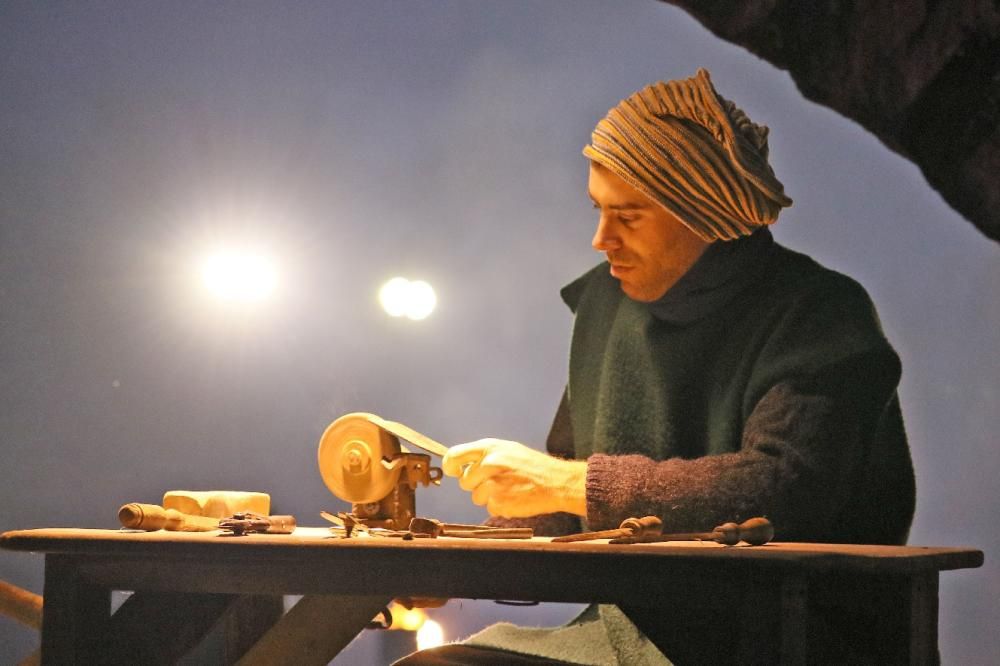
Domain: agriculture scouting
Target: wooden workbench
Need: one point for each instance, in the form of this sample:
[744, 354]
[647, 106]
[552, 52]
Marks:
[764, 600]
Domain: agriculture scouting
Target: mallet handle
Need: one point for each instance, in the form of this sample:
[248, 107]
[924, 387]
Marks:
[152, 517]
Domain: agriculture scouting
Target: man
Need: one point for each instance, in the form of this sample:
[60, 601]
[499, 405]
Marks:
[714, 375]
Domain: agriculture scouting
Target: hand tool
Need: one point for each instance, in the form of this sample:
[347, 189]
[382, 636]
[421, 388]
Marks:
[152, 517]
[755, 532]
[347, 522]
[630, 527]
[242, 523]
[435, 528]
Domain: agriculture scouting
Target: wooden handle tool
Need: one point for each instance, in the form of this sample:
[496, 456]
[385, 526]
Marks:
[152, 517]
[755, 532]
[492, 533]
[435, 528]
[630, 528]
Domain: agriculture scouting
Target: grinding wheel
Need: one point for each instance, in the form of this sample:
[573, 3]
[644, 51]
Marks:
[351, 452]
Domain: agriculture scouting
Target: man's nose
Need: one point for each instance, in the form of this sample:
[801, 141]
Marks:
[605, 239]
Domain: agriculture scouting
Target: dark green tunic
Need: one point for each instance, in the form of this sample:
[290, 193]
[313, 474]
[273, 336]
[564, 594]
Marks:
[761, 384]
[778, 399]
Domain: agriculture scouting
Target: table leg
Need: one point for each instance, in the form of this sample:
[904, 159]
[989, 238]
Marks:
[773, 619]
[916, 627]
[737, 617]
[794, 619]
[885, 619]
[314, 630]
[924, 619]
[75, 614]
[154, 627]
[247, 620]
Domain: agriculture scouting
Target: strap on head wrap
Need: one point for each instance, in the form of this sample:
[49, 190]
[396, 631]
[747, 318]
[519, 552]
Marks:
[695, 153]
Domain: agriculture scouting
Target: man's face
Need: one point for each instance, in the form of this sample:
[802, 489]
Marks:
[648, 248]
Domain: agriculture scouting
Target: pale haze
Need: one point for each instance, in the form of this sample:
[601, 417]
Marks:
[439, 141]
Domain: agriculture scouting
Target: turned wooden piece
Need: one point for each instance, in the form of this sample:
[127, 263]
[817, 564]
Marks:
[755, 532]
[151, 517]
[630, 527]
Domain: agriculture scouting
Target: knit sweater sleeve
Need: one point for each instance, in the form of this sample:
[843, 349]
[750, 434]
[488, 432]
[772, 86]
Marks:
[799, 452]
[806, 445]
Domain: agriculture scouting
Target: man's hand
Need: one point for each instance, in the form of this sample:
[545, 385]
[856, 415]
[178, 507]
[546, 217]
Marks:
[514, 481]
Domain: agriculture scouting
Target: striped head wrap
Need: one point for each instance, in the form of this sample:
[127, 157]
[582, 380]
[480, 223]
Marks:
[695, 153]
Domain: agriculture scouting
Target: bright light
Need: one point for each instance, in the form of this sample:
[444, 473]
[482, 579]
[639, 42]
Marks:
[422, 300]
[393, 296]
[407, 619]
[239, 276]
[430, 635]
[413, 299]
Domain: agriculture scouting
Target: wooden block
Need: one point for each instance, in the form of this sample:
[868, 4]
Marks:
[217, 503]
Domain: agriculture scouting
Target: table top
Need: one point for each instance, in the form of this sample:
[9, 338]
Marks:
[312, 543]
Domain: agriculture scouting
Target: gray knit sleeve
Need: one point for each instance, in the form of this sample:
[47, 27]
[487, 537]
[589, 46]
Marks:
[808, 462]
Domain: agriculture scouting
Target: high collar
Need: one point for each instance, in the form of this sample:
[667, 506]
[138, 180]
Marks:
[724, 270]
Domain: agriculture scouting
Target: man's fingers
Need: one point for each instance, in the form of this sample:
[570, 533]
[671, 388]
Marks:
[508, 500]
[481, 493]
[504, 495]
[461, 455]
[498, 508]
[476, 473]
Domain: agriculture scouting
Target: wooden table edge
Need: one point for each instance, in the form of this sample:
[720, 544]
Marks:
[810, 556]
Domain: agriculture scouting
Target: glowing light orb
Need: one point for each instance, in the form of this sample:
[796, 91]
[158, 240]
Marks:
[414, 299]
[393, 296]
[409, 619]
[430, 635]
[239, 276]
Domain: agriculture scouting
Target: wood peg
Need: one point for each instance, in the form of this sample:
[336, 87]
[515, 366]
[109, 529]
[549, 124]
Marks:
[630, 528]
[755, 532]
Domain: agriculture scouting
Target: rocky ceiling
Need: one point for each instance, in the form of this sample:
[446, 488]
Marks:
[922, 75]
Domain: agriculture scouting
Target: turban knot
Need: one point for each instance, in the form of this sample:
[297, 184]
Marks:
[695, 153]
